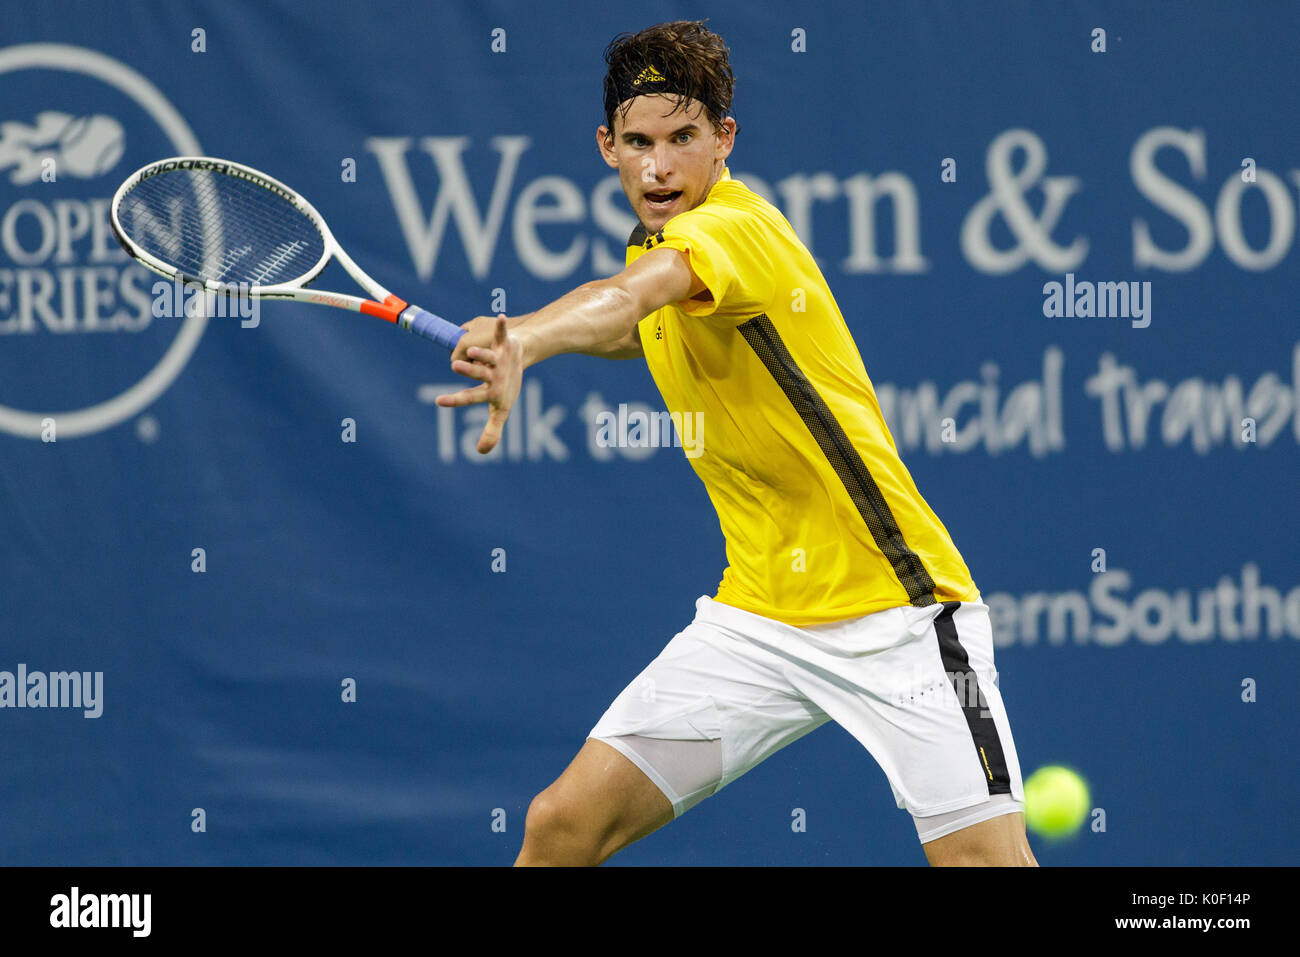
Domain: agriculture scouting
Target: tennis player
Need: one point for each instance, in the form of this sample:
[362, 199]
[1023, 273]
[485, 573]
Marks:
[844, 598]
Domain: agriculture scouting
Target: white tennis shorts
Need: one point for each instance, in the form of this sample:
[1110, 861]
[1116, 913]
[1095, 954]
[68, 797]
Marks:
[915, 686]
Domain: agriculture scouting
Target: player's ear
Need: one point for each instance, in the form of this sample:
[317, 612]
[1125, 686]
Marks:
[726, 138]
[605, 144]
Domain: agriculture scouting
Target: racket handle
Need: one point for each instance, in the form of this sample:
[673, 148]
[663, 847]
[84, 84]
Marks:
[422, 323]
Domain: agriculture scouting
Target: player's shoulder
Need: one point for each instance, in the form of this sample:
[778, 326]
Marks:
[732, 210]
[731, 200]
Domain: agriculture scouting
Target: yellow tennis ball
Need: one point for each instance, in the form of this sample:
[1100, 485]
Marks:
[1056, 801]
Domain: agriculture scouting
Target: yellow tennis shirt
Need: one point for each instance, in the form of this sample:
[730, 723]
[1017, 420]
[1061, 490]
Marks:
[821, 519]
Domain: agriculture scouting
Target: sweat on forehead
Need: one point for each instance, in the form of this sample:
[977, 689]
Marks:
[662, 105]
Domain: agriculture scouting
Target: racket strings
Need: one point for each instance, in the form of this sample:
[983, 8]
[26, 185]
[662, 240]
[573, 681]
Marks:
[216, 227]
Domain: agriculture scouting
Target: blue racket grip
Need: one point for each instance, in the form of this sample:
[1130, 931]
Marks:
[422, 323]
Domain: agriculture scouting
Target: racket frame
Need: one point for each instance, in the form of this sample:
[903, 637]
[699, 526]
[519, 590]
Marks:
[382, 305]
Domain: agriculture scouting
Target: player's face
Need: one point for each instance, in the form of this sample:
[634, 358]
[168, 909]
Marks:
[667, 162]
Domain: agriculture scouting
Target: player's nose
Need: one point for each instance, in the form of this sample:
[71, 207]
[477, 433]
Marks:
[663, 163]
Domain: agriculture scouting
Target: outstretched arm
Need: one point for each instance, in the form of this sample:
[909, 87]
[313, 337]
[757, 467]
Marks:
[599, 315]
[629, 347]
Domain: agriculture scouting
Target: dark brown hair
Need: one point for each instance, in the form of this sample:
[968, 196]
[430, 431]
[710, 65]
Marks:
[686, 52]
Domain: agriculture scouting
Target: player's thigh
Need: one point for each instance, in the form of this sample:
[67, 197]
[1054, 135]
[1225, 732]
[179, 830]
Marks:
[917, 689]
[711, 706]
[996, 842]
[601, 799]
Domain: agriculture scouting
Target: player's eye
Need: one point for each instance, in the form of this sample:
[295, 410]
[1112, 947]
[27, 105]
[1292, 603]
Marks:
[687, 135]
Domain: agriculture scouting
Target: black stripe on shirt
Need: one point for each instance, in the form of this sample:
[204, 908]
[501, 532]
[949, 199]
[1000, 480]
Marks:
[842, 456]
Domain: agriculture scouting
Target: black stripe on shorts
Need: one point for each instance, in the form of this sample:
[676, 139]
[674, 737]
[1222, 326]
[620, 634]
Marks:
[965, 684]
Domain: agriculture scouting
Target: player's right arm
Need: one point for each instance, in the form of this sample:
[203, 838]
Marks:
[626, 347]
[629, 347]
[593, 316]
[599, 316]
[603, 315]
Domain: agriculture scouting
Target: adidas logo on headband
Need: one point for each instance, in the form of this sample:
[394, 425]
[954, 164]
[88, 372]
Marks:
[649, 75]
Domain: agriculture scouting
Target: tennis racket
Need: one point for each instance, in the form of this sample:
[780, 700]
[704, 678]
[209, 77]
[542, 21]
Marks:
[232, 229]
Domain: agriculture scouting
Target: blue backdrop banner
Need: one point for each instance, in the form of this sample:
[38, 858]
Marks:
[262, 602]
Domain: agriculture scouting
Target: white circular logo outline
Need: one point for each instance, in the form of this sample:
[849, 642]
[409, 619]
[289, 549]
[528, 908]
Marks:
[105, 415]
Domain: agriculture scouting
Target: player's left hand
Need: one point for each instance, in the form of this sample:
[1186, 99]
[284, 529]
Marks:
[500, 368]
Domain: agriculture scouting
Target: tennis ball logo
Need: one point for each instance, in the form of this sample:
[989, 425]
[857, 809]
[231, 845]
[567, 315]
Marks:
[82, 146]
[1056, 801]
[91, 145]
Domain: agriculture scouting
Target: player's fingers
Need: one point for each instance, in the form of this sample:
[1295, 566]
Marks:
[499, 339]
[491, 434]
[480, 393]
[472, 370]
[486, 356]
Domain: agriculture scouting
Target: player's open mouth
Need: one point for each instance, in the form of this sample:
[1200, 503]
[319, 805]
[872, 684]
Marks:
[662, 200]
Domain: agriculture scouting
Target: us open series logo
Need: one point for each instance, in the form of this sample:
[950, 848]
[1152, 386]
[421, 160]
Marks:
[63, 277]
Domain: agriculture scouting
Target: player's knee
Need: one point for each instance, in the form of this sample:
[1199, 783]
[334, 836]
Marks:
[547, 814]
[555, 829]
